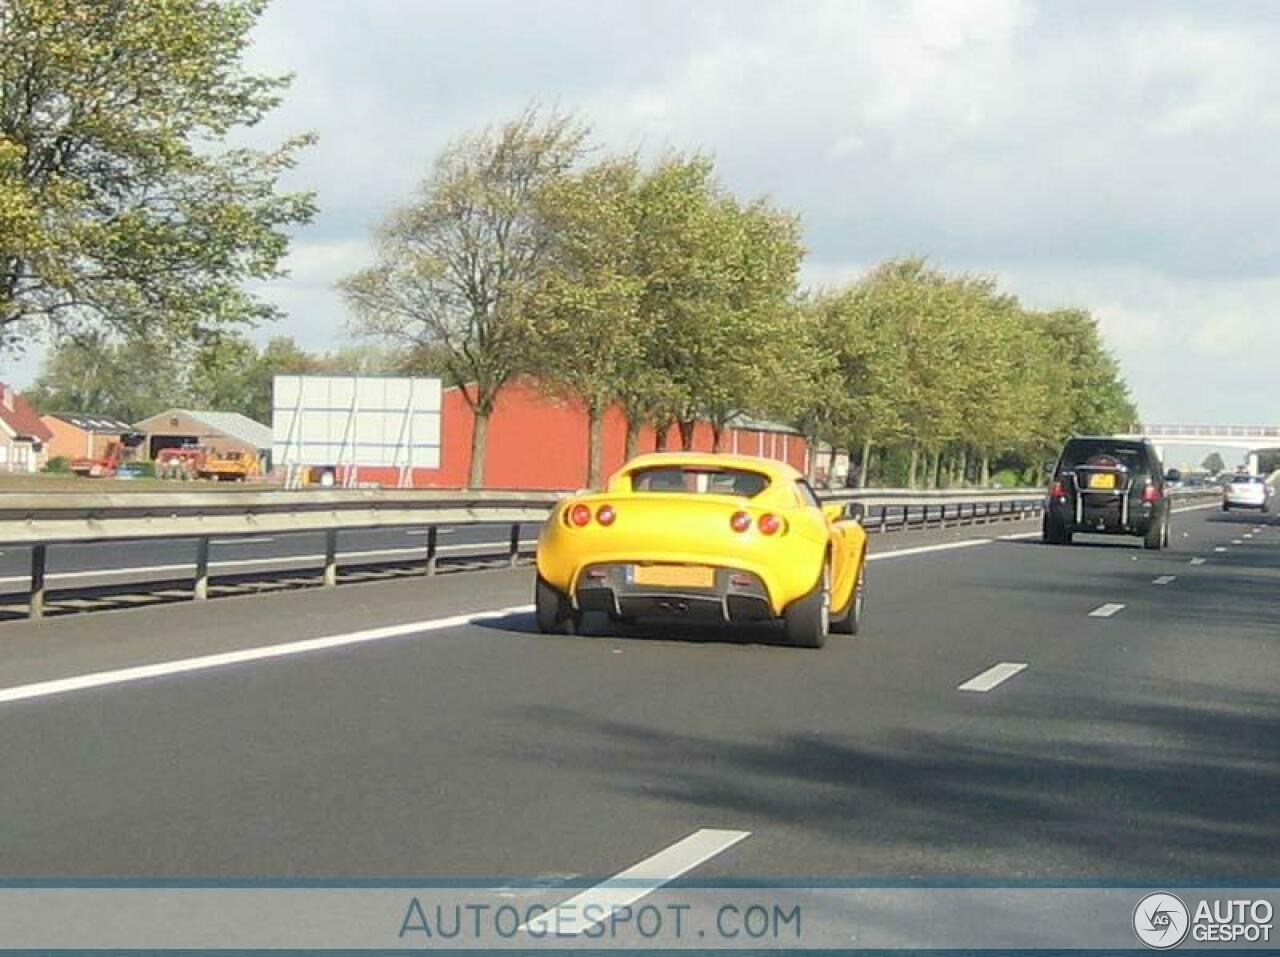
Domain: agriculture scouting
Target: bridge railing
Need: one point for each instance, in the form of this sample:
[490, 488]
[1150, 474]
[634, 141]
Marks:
[43, 521]
[1208, 431]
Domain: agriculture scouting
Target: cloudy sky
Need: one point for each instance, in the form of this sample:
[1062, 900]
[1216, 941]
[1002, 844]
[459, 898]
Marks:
[1123, 156]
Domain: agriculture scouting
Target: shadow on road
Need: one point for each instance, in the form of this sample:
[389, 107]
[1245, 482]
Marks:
[1125, 789]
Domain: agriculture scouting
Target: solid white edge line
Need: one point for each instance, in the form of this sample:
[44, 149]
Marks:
[1107, 610]
[626, 887]
[118, 676]
[925, 549]
[993, 676]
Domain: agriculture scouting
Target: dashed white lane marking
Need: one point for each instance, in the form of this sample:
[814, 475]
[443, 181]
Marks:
[1198, 560]
[1164, 580]
[266, 540]
[1196, 508]
[1220, 548]
[1248, 535]
[1236, 541]
[995, 675]
[638, 881]
[119, 676]
[1107, 610]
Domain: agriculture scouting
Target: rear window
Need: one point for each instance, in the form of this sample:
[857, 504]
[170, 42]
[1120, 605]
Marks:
[692, 479]
[1246, 480]
[1104, 455]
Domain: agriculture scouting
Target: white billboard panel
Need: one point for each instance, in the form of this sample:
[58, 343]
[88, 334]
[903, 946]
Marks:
[356, 420]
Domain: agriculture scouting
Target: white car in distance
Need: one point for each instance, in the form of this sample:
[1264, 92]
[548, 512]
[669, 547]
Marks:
[1246, 491]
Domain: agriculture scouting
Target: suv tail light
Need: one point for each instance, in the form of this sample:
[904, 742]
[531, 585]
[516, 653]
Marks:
[1058, 490]
[1150, 494]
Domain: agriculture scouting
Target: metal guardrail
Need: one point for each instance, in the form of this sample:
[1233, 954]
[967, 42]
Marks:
[44, 520]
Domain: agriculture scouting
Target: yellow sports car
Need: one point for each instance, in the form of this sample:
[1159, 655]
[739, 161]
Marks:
[718, 537]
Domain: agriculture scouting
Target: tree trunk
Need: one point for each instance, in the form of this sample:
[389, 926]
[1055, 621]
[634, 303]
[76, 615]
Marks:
[595, 446]
[634, 425]
[687, 429]
[479, 445]
[984, 473]
[831, 466]
[661, 432]
[962, 467]
[864, 463]
[937, 469]
[915, 463]
[717, 434]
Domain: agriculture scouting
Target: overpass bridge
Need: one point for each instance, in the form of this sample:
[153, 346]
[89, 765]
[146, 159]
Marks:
[1252, 439]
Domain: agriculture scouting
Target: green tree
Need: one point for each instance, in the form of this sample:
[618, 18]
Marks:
[1213, 463]
[586, 333]
[95, 373]
[459, 265]
[718, 278]
[1089, 394]
[117, 209]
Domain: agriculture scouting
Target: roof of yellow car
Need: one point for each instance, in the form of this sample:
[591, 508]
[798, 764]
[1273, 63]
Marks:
[770, 467]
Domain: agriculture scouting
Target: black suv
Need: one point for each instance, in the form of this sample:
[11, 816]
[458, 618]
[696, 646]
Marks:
[1109, 486]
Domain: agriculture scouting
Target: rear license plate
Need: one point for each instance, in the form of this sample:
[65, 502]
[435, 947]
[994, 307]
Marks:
[1102, 480]
[676, 576]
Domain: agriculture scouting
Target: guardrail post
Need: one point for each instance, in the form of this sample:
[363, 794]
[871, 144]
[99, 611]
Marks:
[514, 555]
[35, 605]
[201, 592]
[433, 539]
[330, 557]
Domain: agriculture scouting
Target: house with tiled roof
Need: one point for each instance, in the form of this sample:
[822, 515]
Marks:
[23, 436]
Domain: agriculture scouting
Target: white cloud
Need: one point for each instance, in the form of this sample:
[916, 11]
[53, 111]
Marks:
[1116, 156]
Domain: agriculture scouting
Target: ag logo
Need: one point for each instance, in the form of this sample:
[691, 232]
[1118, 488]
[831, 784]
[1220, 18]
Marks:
[1160, 920]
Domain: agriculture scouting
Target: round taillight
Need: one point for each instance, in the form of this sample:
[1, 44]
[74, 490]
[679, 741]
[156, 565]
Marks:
[769, 524]
[740, 521]
[580, 515]
[605, 515]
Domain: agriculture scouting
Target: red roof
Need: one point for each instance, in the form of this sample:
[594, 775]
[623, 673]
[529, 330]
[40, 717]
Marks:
[18, 415]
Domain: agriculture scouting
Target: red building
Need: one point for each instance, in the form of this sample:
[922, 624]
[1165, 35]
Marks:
[539, 441]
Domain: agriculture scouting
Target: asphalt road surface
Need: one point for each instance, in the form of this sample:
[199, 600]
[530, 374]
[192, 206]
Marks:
[1012, 710]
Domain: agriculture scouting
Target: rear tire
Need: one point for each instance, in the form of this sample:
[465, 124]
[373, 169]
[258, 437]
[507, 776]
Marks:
[808, 619]
[554, 610]
[1156, 537]
[851, 621]
[1226, 507]
[1055, 532]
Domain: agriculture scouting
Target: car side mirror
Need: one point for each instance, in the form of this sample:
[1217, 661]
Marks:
[833, 513]
[855, 511]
